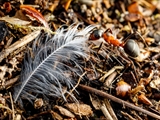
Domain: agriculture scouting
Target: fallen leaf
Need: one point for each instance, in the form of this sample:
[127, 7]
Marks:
[14, 21]
[79, 109]
[64, 111]
[134, 8]
[34, 14]
[143, 99]
[155, 84]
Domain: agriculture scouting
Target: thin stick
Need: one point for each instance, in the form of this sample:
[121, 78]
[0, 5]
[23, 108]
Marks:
[23, 41]
[13, 113]
[80, 77]
[67, 4]
[9, 83]
[39, 114]
[112, 113]
[4, 107]
[115, 99]
[106, 112]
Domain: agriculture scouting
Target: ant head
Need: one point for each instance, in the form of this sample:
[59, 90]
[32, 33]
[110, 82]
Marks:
[96, 34]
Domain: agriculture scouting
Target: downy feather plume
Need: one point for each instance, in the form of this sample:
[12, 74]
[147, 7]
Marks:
[51, 64]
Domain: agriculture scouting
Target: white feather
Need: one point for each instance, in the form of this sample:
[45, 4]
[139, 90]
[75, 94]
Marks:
[44, 74]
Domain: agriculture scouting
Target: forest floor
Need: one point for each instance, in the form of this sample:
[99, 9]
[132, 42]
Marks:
[121, 81]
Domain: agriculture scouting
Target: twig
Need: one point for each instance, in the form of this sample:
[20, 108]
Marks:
[13, 113]
[115, 99]
[110, 79]
[84, 19]
[23, 41]
[37, 115]
[110, 72]
[9, 83]
[127, 115]
[4, 107]
[80, 77]
[112, 113]
[106, 112]
[67, 4]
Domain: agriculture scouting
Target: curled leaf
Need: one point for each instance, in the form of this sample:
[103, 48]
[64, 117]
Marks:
[35, 14]
[143, 99]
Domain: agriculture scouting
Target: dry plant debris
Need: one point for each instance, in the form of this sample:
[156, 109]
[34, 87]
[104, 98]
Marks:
[118, 80]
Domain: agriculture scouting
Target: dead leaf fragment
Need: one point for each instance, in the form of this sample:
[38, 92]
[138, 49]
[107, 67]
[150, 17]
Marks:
[79, 109]
[144, 54]
[2, 100]
[3, 70]
[64, 111]
[38, 103]
[123, 88]
[134, 8]
[155, 84]
[56, 116]
[143, 99]
[14, 21]
[95, 102]
[132, 17]
[18, 117]
[32, 12]
[7, 6]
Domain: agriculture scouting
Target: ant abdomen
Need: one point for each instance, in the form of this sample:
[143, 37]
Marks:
[131, 48]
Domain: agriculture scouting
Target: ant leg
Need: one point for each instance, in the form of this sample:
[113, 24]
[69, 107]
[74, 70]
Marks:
[130, 63]
[134, 33]
[127, 38]
[100, 46]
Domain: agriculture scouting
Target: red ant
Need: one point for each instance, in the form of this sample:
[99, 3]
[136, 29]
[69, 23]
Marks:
[129, 45]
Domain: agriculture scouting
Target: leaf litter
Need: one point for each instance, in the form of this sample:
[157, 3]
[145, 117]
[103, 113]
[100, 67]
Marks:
[81, 69]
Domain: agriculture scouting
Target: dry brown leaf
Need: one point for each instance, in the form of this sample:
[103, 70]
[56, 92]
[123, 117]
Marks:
[79, 109]
[14, 63]
[14, 21]
[134, 8]
[154, 49]
[3, 70]
[143, 99]
[38, 103]
[95, 102]
[155, 84]
[144, 54]
[123, 88]
[132, 17]
[149, 40]
[64, 111]
[32, 12]
[56, 116]
[137, 89]
[2, 100]
[18, 117]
